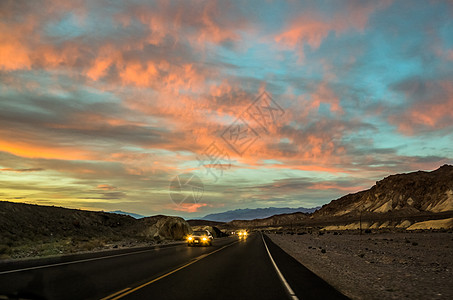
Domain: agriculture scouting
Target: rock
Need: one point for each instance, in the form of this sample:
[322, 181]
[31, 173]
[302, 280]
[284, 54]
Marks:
[163, 227]
[216, 232]
[433, 224]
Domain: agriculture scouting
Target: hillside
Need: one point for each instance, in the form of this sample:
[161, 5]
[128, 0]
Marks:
[30, 230]
[406, 194]
[120, 212]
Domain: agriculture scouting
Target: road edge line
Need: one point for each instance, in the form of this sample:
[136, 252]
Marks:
[288, 288]
[83, 260]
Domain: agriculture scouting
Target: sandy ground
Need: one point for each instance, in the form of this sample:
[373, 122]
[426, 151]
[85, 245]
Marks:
[412, 265]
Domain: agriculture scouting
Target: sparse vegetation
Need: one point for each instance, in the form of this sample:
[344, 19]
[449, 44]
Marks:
[32, 230]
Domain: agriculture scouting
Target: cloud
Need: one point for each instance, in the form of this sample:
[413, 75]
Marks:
[189, 207]
[22, 170]
[313, 25]
[429, 108]
[106, 187]
[108, 105]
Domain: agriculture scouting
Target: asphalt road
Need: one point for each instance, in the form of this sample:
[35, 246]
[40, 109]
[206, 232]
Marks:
[230, 269]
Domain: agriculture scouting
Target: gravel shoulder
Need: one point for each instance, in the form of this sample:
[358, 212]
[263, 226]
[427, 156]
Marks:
[412, 265]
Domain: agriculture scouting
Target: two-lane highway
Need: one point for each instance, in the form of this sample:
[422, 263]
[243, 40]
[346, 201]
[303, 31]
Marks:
[230, 269]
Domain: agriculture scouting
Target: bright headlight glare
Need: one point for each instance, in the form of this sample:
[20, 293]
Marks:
[190, 238]
[204, 239]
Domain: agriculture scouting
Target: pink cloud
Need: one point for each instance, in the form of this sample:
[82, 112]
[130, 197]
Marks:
[324, 94]
[189, 207]
[106, 187]
[332, 186]
[313, 27]
[432, 110]
[14, 51]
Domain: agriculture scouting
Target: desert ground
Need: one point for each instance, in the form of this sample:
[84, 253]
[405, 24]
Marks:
[401, 265]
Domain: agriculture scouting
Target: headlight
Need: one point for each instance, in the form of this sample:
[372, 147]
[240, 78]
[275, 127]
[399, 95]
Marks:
[204, 239]
[189, 238]
[240, 233]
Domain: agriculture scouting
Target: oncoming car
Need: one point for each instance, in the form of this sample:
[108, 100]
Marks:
[201, 237]
[242, 234]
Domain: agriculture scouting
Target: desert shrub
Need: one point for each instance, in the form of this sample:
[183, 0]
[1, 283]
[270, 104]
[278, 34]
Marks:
[5, 249]
[92, 244]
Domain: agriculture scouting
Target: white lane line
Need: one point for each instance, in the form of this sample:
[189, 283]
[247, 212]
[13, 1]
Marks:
[289, 290]
[82, 260]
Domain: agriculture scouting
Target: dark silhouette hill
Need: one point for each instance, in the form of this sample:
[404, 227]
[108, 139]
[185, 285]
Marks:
[42, 230]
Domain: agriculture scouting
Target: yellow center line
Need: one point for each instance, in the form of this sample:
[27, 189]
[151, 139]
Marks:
[117, 293]
[128, 291]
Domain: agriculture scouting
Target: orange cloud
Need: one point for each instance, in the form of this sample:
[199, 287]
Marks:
[138, 74]
[189, 207]
[197, 22]
[44, 151]
[324, 94]
[307, 31]
[313, 27]
[428, 113]
[106, 57]
[325, 186]
[14, 52]
[106, 187]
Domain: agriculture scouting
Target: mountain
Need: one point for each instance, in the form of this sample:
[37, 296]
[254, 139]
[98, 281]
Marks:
[412, 201]
[198, 222]
[120, 212]
[257, 213]
[405, 194]
[275, 220]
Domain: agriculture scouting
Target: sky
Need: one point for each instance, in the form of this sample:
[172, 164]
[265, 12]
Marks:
[195, 107]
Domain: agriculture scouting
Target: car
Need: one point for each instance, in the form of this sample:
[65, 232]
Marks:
[242, 234]
[200, 238]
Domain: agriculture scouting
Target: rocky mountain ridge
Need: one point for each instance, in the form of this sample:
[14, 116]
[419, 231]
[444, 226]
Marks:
[408, 194]
[413, 200]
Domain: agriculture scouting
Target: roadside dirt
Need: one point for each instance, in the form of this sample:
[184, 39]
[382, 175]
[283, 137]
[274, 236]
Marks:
[412, 265]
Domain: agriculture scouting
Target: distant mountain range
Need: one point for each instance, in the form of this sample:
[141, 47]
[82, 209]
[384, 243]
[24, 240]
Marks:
[120, 212]
[257, 213]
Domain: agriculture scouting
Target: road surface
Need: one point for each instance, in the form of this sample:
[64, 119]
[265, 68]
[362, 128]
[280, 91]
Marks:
[254, 268]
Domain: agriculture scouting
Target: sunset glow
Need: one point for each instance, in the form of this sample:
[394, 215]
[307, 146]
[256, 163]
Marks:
[103, 103]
